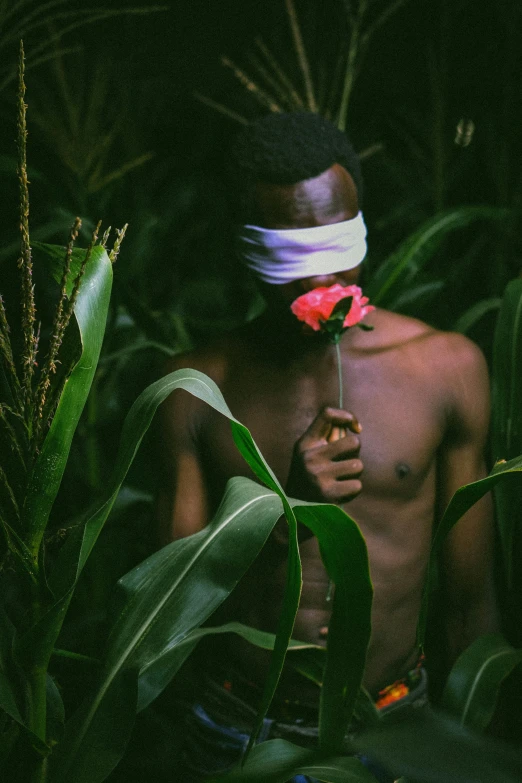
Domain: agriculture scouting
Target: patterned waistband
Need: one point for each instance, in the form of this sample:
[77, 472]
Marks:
[401, 688]
[239, 690]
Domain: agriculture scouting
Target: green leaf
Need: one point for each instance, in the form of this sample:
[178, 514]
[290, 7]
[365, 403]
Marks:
[472, 688]
[147, 642]
[55, 712]
[11, 680]
[409, 296]
[8, 735]
[473, 315]
[463, 499]
[345, 557]
[507, 417]
[428, 747]
[276, 761]
[104, 740]
[341, 309]
[77, 549]
[9, 706]
[90, 314]
[159, 671]
[166, 597]
[8, 701]
[399, 269]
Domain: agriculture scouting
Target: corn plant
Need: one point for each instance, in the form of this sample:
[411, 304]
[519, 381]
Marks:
[320, 87]
[42, 396]
[50, 22]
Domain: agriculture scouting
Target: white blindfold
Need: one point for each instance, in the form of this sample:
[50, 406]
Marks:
[280, 256]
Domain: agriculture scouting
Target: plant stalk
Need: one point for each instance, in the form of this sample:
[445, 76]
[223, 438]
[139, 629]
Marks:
[301, 55]
[351, 65]
[25, 262]
[339, 373]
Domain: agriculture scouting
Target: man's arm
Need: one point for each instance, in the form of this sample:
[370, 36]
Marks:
[181, 505]
[468, 552]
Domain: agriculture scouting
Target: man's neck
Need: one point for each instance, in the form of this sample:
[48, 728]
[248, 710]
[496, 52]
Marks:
[283, 336]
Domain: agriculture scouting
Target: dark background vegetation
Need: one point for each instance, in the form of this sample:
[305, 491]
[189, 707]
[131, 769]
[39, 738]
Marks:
[116, 132]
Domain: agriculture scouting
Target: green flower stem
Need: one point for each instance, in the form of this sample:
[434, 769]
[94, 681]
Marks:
[339, 372]
[329, 593]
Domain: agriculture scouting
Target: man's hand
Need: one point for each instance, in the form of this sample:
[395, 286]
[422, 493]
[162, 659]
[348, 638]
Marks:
[325, 464]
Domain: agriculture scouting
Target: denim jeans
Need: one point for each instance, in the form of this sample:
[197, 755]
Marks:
[211, 748]
[217, 729]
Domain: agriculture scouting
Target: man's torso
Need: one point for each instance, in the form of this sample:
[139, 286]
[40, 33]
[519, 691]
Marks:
[394, 386]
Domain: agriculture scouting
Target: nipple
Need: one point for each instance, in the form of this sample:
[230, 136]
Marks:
[323, 632]
[402, 470]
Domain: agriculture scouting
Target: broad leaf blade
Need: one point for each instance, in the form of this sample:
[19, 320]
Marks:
[472, 688]
[415, 252]
[168, 596]
[104, 740]
[90, 314]
[346, 559]
[431, 748]
[276, 761]
[477, 311]
[507, 418]
[78, 548]
[156, 673]
[463, 499]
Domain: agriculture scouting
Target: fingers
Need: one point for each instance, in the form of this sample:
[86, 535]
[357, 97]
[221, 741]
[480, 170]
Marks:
[327, 419]
[344, 491]
[347, 469]
[325, 464]
[341, 484]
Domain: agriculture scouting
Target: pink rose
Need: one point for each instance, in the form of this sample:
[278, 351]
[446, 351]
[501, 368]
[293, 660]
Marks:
[315, 307]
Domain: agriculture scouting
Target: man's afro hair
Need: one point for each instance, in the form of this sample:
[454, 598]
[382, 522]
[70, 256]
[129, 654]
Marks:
[285, 148]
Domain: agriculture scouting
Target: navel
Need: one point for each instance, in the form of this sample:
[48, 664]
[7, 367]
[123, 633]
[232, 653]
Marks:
[402, 470]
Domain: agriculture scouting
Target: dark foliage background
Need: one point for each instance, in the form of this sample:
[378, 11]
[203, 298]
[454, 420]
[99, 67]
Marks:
[116, 132]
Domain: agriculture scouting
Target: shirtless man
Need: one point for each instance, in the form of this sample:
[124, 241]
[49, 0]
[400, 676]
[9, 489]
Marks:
[415, 414]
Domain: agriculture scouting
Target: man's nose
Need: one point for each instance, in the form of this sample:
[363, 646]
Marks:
[318, 281]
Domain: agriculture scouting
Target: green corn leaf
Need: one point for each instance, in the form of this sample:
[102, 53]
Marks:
[166, 597]
[407, 299]
[463, 499]
[345, 556]
[472, 688]
[399, 269]
[77, 549]
[427, 747]
[157, 672]
[473, 315]
[8, 702]
[90, 314]
[276, 761]
[55, 712]
[9, 733]
[103, 741]
[422, 745]
[507, 419]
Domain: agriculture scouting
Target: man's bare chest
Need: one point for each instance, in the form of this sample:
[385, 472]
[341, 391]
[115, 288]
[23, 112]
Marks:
[402, 422]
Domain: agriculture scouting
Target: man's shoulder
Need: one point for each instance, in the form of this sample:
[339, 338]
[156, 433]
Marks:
[213, 358]
[400, 330]
[446, 356]
[395, 328]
